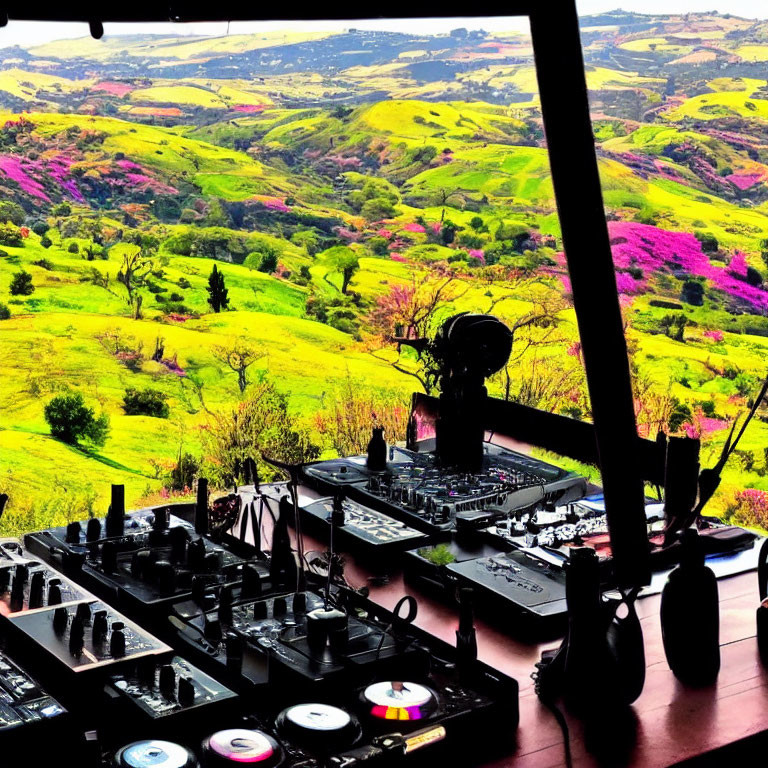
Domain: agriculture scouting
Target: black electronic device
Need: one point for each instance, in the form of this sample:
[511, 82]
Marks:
[167, 695]
[360, 528]
[417, 490]
[306, 647]
[157, 560]
[28, 584]
[31, 721]
[75, 645]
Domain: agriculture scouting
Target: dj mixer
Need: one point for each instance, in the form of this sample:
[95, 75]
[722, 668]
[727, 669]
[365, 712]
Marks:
[416, 490]
[160, 645]
[150, 562]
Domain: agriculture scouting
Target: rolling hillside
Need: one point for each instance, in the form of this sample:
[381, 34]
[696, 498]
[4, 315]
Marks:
[341, 183]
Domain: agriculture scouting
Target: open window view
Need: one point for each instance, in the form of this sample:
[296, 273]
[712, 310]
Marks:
[211, 241]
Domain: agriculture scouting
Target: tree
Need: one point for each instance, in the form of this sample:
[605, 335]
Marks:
[306, 239]
[477, 223]
[133, 273]
[216, 215]
[5, 313]
[378, 208]
[10, 234]
[342, 259]
[680, 322]
[13, 212]
[146, 402]
[258, 425]
[354, 409]
[692, 293]
[71, 420]
[267, 262]
[62, 209]
[217, 291]
[21, 284]
[239, 355]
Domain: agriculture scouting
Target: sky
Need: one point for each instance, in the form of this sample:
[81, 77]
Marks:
[27, 33]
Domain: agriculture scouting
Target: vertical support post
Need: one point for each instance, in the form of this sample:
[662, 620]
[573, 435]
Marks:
[568, 130]
[115, 522]
[201, 507]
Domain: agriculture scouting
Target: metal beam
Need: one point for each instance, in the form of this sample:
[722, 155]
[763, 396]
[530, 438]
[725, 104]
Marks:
[568, 130]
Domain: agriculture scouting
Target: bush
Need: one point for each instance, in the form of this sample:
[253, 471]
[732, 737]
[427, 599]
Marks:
[184, 283]
[62, 209]
[43, 264]
[268, 262]
[184, 473]
[679, 415]
[12, 212]
[71, 420]
[5, 313]
[73, 248]
[176, 297]
[46, 241]
[21, 284]
[146, 402]
[754, 277]
[10, 235]
[39, 227]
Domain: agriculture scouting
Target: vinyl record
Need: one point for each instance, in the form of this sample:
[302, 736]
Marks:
[155, 754]
[319, 726]
[398, 700]
[238, 746]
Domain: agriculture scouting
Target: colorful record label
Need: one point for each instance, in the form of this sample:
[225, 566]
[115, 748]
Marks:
[318, 717]
[241, 745]
[155, 754]
[398, 694]
[398, 700]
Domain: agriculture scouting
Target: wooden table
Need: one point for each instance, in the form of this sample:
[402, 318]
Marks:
[674, 723]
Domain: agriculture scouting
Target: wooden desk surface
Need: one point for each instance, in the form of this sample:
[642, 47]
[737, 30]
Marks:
[675, 723]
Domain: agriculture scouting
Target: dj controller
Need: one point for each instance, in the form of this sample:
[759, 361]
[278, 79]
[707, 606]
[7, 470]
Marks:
[415, 490]
[142, 639]
[505, 531]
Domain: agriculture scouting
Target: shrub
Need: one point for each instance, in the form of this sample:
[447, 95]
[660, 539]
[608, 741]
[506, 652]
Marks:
[5, 313]
[73, 248]
[268, 262]
[753, 277]
[184, 472]
[679, 414]
[43, 264]
[749, 507]
[692, 293]
[62, 209]
[184, 283]
[10, 235]
[13, 212]
[21, 284]
[46, 241]
[260, 424]
[71, 420]
[176, 297]
[146, 402]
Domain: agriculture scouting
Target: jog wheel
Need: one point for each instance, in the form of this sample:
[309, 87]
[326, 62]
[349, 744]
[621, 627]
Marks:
[155, 754]
[320, 727]
[400, 701]
[240, 745]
